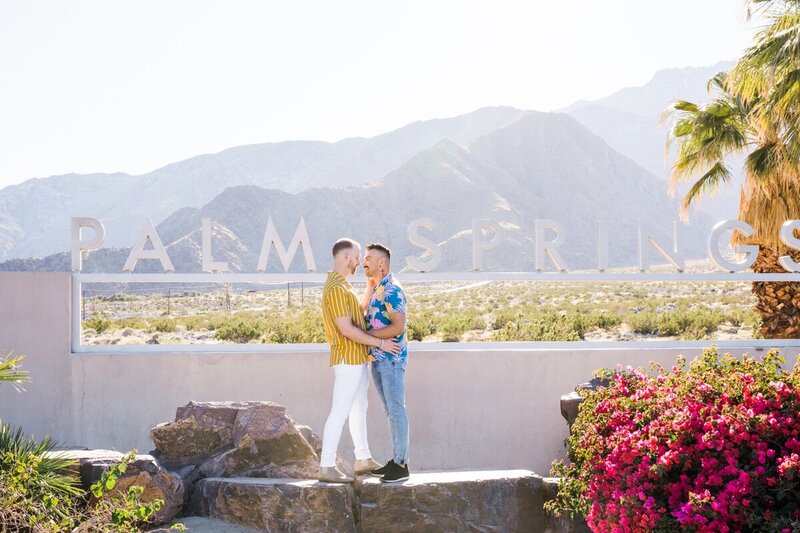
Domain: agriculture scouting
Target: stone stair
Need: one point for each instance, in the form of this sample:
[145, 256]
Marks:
[490, 501]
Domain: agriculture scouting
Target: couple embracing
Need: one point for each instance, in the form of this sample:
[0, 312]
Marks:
[369, 333]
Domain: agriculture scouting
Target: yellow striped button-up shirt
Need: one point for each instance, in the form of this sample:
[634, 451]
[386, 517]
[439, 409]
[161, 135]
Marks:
[339, 299]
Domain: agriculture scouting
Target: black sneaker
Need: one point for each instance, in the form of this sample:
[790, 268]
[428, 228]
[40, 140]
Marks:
[395, 473]
[382, 470]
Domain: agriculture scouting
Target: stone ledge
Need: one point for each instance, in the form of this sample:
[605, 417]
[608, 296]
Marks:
[484, 500]
[268, 504]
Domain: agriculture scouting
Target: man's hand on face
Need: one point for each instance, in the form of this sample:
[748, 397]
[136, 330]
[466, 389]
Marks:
[371, 283]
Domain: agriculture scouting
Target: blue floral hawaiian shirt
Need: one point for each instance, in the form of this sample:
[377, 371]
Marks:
[388, 298]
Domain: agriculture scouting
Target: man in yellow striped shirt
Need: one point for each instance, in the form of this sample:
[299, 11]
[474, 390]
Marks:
[345, 327]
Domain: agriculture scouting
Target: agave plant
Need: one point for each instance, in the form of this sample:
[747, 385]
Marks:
[10, 371]
[39, 489]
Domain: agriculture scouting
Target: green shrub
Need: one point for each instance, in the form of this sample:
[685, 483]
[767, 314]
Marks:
[162, 324]
[456, 324]
[420, 325]
[695, 325]
[118, 297]
[239, 331]
[98, 322]
[504, 316]
[547, 327]
[133, 322]
[35, 492]
[40, 491]
[116, 511]
[581, 323]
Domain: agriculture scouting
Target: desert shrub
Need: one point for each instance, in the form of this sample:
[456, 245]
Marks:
[119, 511]
[581, 323]
[40, 490]
[456, 324]
[239, 330]
[133, 322]
[117, 297]
[544, 327]
[162, 324]
[712, 447]
[501, 317]
[694, 324]
[195, 322]
[36, 494]
[99, 322]
[420, 325]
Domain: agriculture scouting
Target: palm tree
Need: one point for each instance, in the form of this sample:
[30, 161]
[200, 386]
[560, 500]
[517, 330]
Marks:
[754, 114]
[708, 137]
[768, 73]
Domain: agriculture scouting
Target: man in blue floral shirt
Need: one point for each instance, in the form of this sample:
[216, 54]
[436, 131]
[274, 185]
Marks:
[384, 305]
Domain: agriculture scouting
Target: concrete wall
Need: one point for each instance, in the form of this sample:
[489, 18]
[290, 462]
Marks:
[468, 408]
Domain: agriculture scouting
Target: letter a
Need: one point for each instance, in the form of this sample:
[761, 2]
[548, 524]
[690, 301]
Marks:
[158, 251]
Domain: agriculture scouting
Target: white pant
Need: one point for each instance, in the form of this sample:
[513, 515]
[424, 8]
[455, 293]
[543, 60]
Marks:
[349, 401]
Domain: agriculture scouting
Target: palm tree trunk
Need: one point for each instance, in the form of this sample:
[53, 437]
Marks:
[778, 302]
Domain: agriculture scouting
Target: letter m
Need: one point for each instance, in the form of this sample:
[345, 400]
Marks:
[271, 238]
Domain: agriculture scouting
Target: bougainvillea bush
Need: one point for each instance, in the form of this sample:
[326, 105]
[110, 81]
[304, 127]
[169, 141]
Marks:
[714, 446]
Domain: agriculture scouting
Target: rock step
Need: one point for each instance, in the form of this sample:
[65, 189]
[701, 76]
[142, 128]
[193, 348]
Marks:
[491, 501]
[269, 504]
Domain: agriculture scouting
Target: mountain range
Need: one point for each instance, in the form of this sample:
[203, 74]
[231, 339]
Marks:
[503, 163]
[630, 121]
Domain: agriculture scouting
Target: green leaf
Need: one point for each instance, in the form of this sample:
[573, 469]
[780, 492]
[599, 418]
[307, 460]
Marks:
[122, 467]
[111, 483]
[719, 110]
[683, 105]
[682, 128]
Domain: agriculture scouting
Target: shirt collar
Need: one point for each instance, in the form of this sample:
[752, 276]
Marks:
[338, 277]
[387, 279]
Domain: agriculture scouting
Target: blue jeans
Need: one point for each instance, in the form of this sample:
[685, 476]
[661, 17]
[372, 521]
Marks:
[389, 377]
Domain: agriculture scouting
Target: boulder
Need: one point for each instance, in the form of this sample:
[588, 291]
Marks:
[507, 500]
[284, 505]
[144, 471]
[199, 431]
[228, 439]
[570, 406]
[266, 443]
[570, 403]
[312, 438]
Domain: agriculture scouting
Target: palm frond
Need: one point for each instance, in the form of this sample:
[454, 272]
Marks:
[709, 182]
[706, 135]
[764, 161]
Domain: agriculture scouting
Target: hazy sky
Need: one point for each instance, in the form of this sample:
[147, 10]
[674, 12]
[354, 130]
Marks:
[105, 85]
